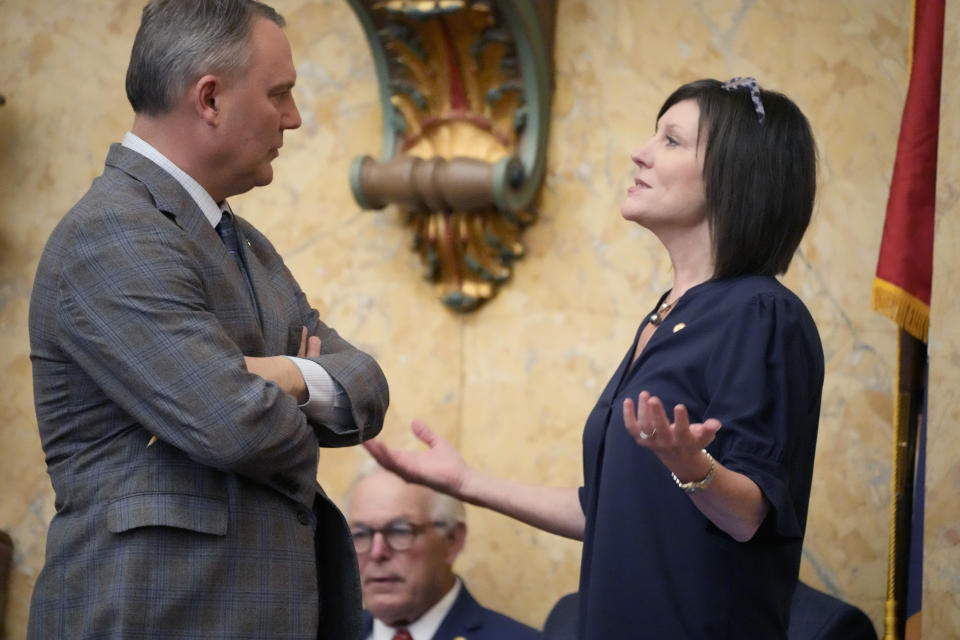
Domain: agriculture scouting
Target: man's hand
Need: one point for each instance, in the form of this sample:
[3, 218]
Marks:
[309, 345]
[282, 371]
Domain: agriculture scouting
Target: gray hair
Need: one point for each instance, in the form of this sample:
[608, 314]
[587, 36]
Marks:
[443, 508]
[181, 40]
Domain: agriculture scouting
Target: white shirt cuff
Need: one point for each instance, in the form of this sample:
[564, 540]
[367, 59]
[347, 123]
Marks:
[322, 390]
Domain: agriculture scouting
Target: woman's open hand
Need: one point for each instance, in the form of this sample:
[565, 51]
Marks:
[734, 502]
[678, 444]
[440, 467]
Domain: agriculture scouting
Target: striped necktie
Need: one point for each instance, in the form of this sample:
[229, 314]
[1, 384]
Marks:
[228, 233]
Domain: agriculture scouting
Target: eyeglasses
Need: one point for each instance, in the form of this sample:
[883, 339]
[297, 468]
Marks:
[399, 536]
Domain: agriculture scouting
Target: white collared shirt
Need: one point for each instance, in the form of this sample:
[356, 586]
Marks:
[321, 388]
[426, 625]
[211, 210]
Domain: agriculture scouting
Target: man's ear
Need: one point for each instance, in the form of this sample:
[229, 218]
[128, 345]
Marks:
[458, 538]
[206, 94]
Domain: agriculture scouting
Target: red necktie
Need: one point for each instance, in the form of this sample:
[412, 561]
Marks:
[402, 634]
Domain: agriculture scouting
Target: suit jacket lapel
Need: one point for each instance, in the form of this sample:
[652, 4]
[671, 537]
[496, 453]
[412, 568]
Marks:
[367, 623]
[464, 616]
[273, 324]
[250, 264]
[168, 195]
[175, 203]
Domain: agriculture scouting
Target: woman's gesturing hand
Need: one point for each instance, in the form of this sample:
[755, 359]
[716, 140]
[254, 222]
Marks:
[440, 467]
[678, 444]
[734, 502]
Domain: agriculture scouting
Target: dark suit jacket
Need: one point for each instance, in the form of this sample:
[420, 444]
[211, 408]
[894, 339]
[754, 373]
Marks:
[563, 621]
[815, 615]
[470, 621]
[139, 321]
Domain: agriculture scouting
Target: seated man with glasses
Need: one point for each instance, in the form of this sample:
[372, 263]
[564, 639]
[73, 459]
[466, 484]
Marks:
[407, 537]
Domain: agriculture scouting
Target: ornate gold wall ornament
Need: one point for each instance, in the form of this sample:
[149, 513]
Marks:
[465, 93]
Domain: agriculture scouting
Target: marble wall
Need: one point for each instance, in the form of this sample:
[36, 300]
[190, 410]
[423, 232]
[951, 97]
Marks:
[512, 383]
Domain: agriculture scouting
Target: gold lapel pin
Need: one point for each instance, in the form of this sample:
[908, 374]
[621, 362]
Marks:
[678, 326]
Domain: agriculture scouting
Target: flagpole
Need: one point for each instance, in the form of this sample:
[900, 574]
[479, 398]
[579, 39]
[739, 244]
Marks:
[911, 360]
[902, 287]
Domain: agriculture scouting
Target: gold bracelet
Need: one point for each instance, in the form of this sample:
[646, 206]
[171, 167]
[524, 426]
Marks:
[699, 485]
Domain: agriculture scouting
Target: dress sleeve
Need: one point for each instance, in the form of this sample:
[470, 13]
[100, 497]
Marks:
[765, 376]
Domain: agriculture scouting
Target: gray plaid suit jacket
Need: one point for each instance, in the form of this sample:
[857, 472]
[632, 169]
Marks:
[139, 321]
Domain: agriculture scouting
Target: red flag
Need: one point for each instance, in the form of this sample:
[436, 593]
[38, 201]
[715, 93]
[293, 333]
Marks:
[901, 289]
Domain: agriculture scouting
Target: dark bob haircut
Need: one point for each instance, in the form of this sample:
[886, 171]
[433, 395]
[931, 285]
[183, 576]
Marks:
[760, 177]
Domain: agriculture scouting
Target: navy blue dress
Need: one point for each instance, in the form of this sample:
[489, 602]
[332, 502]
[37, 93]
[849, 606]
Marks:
[746, 352]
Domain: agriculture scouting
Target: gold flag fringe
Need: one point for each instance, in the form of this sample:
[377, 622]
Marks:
[910, 313]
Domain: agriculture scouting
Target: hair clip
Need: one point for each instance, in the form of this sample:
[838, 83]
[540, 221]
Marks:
[751, 85]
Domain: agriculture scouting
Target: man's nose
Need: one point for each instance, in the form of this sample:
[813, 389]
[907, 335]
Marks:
[379, 547]
[291, 119]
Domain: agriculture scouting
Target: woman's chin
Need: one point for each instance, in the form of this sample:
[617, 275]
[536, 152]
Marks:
[631, 213]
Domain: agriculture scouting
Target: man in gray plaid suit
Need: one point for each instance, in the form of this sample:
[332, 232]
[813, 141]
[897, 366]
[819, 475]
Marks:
[182, 381]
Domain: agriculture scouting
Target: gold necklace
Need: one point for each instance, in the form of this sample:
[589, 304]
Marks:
[657, 316]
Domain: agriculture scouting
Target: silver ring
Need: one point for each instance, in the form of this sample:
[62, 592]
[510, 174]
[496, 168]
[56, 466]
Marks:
[646, 436]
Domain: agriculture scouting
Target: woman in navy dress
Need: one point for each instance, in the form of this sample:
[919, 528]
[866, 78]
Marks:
[698, 456]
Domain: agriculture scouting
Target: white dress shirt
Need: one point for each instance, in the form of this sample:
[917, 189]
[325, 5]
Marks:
[426, 625]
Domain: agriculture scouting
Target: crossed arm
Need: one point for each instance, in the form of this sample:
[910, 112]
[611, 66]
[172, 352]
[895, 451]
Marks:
[283, 371]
